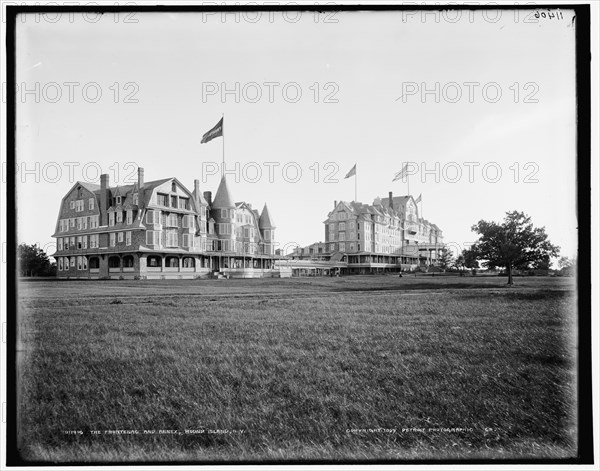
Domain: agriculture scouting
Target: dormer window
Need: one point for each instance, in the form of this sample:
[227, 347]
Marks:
[135, 198]
[174, 187]
[119, 200]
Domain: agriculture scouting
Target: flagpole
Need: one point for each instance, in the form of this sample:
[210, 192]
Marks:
[355, 183]
[223, 133]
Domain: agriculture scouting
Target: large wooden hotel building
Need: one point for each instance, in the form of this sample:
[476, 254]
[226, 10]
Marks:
[159, 229]
[388, 235]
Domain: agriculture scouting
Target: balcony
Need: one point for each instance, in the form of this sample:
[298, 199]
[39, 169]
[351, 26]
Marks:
[411, 228]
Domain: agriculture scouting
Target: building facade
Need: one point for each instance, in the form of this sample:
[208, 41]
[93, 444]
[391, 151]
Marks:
[388, 235]
[159, 230]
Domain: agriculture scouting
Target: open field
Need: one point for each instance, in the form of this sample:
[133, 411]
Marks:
[354, 368]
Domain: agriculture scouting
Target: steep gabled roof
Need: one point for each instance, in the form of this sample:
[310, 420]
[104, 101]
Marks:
[91, 187]
[223, 197]
[265, 221]
[153, 184]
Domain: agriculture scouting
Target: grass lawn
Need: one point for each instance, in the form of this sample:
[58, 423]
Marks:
[352, 368]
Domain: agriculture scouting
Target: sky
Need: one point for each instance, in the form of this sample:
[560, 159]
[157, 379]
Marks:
[482, 107]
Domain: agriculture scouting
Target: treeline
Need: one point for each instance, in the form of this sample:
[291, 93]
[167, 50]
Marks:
[33, 261]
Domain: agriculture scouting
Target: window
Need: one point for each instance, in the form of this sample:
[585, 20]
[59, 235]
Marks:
[119, 216]
[78, 224]
[128, 238]
[224, 213]
[224, 229]
[128, 261]
[341, 216]
[162, 200]
[332, 247]
[352, 236]
[94, 263]
[174, 200]
[174, 187]
[246, 232]
[72, 242]
[342, 236]
[72, 262]
[111, 219]
[152, 237]
[79, 263]
[79, 242]
[172, 262]
[94, 241]
[186, 240]
[342, 226]
[119, 199]
[84, 222]
[189, 262]
[85, 264]
[351, 247]
[79, 205]
[60, 263]
[154, 261]
[184, 203]
[112, 242]
[84, 242]
[91, 204]
[60, 243]
[66, 243]
[185, 221]
[342, 247]
[72, 223]
[129, 216]
[71, 204]
[172, 238]
[172, 220]
[150, 217]
[120, 237]
[135, 198]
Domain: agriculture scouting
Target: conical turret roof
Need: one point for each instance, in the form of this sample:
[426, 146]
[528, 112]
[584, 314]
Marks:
[265, 221]
[223, 198]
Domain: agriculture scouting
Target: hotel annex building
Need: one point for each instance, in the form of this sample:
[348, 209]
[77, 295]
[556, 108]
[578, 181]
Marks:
[159, 229]
[388, 235]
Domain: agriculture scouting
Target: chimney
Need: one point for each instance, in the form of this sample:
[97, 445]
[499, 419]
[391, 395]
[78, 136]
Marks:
[140, 177]
[334, 204]
[104, 184]
[391, 201]
[197, 189]
[208, 197]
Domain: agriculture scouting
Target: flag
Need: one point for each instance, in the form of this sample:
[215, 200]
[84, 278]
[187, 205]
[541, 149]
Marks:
[351, 172]
[418, 200]
[401, 173]
[214, 132]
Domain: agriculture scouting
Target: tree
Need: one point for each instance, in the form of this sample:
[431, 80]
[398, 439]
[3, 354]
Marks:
[513, 244]
[567, 265]
[445, 259]
[33, 261]
[566, 262]
[466, 260]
